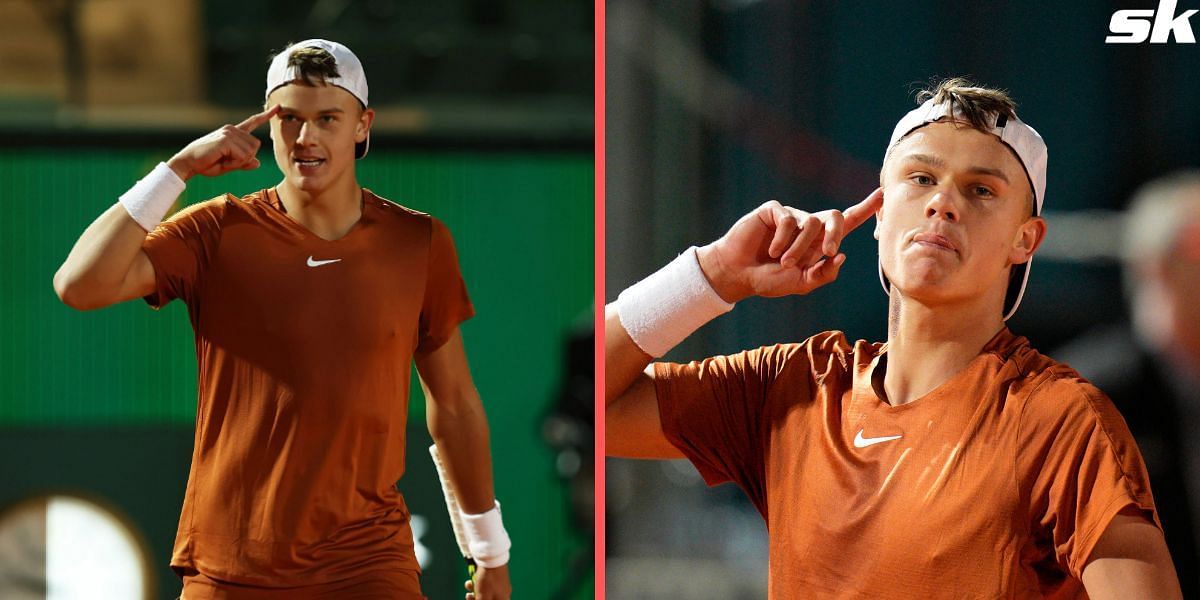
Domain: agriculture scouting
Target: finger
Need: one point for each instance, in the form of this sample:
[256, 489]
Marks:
[825, 271]
[240, 149]
[254, 121]
[785, 230]
[243, 139]
[470, 585]
[799, 248]
[239, 159]
[833, 232]
[859, 213]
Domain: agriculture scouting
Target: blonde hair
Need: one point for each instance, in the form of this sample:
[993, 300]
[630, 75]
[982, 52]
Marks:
[980, 105]
[314, 66]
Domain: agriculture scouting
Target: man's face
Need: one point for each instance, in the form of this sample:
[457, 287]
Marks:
[315, 132]
[955, 214]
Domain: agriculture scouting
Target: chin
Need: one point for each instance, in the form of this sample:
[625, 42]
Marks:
[307, 184]
[923, 281]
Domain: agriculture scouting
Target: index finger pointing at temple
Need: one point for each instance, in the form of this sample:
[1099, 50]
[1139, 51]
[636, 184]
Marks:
[255, 121]
[859, 213]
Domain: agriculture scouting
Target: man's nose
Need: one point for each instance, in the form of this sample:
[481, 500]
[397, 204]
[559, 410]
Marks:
[307, 134]
[944, 203]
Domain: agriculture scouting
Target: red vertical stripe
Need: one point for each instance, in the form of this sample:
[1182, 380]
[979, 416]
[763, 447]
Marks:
[598, 309]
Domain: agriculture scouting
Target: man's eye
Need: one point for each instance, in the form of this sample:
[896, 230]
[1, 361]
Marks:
[922, 179]
[983, 192]
[287, 118]
[328, 118]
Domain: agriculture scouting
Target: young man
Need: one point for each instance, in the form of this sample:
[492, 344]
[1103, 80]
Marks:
[952, 461]
[309, 301]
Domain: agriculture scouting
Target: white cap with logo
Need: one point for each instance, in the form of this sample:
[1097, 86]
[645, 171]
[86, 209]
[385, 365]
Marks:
[1024, 140]
[351, 76]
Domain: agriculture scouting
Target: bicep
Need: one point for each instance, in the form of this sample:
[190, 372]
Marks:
[444, 371]
[1130, 560]
[632, 425]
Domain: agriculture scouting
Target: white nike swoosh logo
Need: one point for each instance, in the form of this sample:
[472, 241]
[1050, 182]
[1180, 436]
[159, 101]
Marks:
[863, 442]
[317, 263]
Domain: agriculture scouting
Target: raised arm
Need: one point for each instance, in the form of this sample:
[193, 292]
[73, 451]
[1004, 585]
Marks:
[107, 264]
[773, 251]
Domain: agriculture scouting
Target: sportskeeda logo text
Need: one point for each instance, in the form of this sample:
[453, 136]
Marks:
[1135, 26]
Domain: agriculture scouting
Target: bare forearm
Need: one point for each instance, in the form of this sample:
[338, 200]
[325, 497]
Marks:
[99, 261]
[624, 361]
[460, 430]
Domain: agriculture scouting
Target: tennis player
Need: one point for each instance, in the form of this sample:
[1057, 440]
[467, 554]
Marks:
[952, 461]
[309, 301]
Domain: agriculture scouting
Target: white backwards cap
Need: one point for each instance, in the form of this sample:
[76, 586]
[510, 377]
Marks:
[1017, 135]
[351, 76]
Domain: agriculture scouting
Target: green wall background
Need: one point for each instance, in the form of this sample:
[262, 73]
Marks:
[523, 224]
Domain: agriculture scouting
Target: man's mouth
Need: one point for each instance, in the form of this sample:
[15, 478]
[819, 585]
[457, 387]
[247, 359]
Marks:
[309, 162]
[933, 239]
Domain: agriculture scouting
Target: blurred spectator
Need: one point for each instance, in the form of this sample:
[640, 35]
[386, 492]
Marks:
[1150, 366]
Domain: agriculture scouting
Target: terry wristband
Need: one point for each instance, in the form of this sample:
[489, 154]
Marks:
[666, 307]
[487, 538]
[152, 196]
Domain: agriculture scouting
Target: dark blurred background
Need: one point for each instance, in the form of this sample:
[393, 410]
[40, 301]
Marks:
[715, 107]
[484, 119]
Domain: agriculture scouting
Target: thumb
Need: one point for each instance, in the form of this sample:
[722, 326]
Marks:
[251, 164]
[827, 270]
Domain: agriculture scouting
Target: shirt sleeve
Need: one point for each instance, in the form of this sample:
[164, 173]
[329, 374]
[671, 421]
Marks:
[446, 303]
[1084, 466]
[713, 411]
[180, 249]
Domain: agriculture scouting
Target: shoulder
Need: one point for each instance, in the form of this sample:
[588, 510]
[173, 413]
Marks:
[824, 352]
[1055, 396]
[395, 213]
[817, 349]
[408, 221]
[820, 353]
[204, 218]
[212, 208]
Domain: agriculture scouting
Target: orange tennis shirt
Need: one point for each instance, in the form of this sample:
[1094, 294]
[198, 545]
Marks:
[304, 348]
[997, 484]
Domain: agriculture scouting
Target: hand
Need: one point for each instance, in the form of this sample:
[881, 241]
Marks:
[777, 250]
[226, 149]
[493, 584]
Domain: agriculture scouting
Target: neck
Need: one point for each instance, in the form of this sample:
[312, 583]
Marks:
[330, 212]
[927, 345]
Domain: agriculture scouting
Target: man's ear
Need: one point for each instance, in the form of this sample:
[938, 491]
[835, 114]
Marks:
[364, 125]
[1027, 240]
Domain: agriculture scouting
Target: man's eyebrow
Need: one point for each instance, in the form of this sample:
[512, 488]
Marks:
[320, 112]
[997, 173]
[928, 159]
[935, 161]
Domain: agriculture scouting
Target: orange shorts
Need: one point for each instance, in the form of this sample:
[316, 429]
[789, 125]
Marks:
[377, 585]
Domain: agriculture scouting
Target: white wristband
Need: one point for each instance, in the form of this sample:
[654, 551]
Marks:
[663, 309]
[152, 196]
[487, 538]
